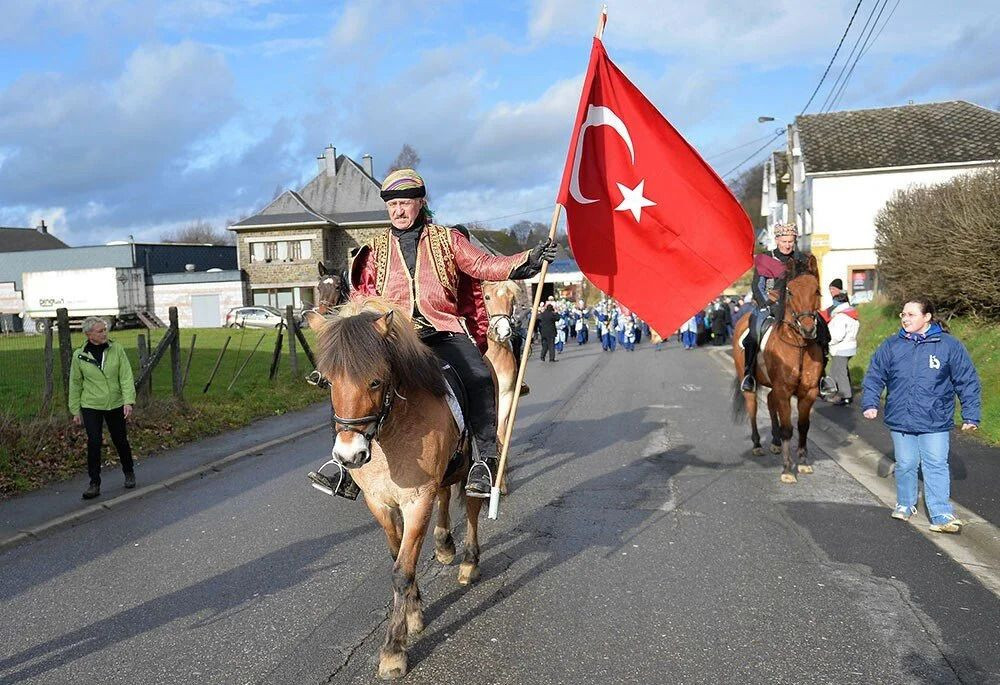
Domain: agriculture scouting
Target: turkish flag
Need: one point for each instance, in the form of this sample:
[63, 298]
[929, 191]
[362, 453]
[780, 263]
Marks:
[650, 223]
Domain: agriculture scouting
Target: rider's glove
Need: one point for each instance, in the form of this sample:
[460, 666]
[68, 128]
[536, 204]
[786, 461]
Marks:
[545, 250]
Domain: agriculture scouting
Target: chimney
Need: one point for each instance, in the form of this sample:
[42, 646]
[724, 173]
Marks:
[366, 164]
[42, 228]
[330, 155]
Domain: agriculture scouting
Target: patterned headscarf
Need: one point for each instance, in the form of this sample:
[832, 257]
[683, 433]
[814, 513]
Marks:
[781, 230]
[403, 183]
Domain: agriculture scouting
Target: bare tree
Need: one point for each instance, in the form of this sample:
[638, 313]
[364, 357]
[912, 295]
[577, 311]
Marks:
[406, 159]
[747, 189]
[202, 232]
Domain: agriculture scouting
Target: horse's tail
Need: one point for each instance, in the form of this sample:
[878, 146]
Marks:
[739, 406]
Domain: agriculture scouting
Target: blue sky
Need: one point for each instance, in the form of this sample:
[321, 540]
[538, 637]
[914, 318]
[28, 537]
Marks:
[139, 117]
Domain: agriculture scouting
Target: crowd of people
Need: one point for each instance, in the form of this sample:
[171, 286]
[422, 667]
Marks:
[562, 322]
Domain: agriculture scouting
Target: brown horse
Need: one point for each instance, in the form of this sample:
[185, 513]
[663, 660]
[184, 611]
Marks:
[790, 365]
[331, 289]
[396, 433]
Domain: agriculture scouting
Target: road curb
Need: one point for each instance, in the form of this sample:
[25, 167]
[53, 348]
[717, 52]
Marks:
[977, 549]
[92, 510]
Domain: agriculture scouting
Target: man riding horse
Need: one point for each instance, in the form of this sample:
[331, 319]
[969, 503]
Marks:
[427, 270]
[772, 270]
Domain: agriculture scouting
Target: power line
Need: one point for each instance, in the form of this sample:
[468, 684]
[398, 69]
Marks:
[505, 216]
[843, 68]
[884, 23]
[738, 147]
[754, 153]
[868, 41]
[835, 52]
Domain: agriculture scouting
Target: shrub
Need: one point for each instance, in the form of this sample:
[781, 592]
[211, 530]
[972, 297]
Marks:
[944, 241]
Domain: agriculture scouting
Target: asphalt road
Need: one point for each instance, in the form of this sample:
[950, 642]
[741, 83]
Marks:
[640, 543]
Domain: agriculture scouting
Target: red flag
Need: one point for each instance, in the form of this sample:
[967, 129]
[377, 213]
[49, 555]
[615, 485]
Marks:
[650, 223]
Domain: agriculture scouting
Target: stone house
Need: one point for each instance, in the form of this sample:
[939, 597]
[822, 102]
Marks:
[847, 165]
[337, 211]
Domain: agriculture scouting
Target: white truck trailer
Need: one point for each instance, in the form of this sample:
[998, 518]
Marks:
[116, 293]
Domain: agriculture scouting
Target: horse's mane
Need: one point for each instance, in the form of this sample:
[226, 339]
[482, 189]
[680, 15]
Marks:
[505, 287]
[351, 345]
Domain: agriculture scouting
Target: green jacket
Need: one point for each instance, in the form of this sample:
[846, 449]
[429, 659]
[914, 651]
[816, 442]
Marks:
[94, 387]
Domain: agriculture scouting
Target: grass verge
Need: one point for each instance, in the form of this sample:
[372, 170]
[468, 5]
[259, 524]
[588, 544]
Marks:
[37, 449]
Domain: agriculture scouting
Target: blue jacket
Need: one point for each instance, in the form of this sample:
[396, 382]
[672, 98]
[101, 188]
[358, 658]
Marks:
[922, 373]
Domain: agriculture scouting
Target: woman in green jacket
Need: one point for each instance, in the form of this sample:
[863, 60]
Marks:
[102, 390]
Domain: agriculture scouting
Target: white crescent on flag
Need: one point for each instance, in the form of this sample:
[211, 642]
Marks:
[596, 116]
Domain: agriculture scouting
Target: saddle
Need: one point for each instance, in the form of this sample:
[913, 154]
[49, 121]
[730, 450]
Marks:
[458, 402]
[765, 335]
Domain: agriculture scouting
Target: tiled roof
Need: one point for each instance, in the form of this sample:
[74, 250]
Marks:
[934, 133]
[353, 217]
[23, 239]
[278, 219]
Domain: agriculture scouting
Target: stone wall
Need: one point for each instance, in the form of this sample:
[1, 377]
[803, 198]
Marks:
[341, 241]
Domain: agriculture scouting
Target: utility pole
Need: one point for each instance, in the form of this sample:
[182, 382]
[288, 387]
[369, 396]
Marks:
[790, 193]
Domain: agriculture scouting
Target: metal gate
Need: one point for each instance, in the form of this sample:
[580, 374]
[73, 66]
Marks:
[205, 311]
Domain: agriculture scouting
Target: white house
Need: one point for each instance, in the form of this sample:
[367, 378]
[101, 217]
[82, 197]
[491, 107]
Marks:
[847, 165]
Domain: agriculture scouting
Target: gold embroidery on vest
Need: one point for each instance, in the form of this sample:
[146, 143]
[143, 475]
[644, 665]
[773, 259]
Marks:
[439, 239]
[380, 246]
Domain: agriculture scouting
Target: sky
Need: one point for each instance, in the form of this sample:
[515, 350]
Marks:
[140, 117]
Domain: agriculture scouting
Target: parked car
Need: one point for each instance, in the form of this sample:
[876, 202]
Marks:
[260, 316]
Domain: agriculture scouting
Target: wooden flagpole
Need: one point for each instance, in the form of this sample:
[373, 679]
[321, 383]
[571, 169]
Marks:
[494, 510]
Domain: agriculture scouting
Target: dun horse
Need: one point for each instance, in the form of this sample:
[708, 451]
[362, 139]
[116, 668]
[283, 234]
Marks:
[396, 433]
[500, 298]
[790, 366]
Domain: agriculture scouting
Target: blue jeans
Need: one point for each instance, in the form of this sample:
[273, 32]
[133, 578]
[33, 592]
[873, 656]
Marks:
[929, 451]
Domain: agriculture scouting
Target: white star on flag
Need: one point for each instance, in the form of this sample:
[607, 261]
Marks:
[633, 200]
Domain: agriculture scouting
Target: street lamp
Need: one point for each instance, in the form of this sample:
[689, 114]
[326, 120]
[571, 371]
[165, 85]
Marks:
[764, 120]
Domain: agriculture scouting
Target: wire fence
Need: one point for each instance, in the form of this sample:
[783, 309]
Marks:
[211, 363]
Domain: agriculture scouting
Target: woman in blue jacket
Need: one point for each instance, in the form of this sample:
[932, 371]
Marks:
[923, 367]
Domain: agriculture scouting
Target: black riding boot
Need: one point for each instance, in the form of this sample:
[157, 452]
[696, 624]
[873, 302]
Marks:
[749, 383]
[482, 471]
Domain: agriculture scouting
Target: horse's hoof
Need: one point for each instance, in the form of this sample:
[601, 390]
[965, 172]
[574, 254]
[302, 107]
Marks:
[789, 478]
[805, 468]
[775, 449]
[445, 556]
[758, 451]
[467, 573]
[392, 666]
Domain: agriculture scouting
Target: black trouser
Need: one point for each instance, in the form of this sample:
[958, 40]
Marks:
[93, 421]
[463, 356]
[548, 346]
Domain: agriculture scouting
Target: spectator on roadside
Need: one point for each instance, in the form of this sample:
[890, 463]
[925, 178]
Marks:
[722, 319]
[923, 367]
[843, 345]
[838, 295]
[547, 332]
[102, 390]
[689, 333]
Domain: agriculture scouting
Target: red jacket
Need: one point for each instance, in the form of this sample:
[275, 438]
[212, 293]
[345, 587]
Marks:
[448, 269]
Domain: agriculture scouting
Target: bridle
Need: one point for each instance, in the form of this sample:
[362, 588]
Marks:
[495, 320]
[374, 421]
[796, 324]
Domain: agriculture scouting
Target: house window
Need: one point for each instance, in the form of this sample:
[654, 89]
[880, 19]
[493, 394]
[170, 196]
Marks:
[280, 250]
[257, 252]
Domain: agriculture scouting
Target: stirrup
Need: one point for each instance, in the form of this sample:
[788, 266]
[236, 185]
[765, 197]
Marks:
[749, 383]
[480, 478]
[827, 386]
[339, 483]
